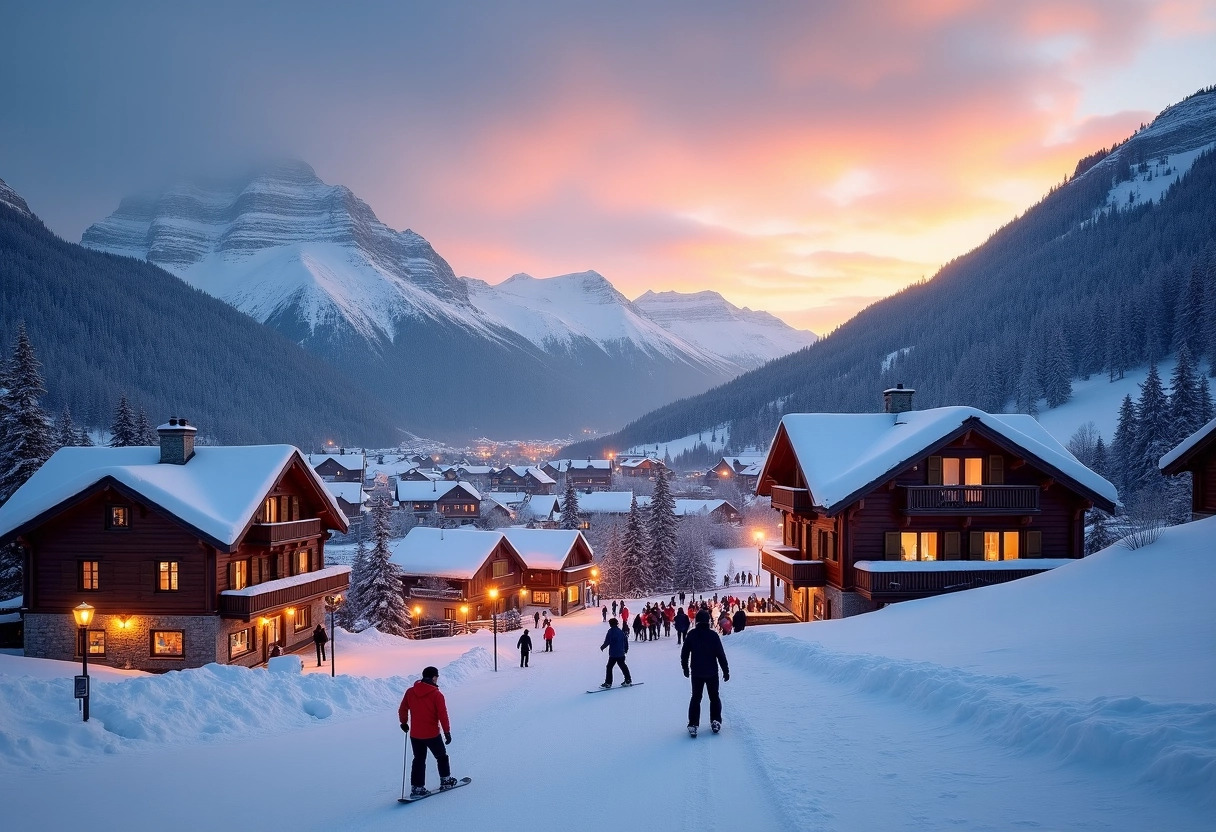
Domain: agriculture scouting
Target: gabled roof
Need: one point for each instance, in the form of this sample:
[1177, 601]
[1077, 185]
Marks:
[427, 491]
[506, 498]
[1175, 461]
[352, 492]
[544, 548]
[446, 553]
[351, 462]
[634, 463]
[685, 507]
[541, 507]
[565, 465]
[217, 493]
[606, 502]
[523, 471]
[844, 455]
[741, 460]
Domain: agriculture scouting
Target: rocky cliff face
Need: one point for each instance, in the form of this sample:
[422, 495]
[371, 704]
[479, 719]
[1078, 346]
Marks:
[11, 199]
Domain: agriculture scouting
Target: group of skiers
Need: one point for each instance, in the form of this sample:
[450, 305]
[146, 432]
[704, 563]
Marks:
[741, 578]
[525, 643]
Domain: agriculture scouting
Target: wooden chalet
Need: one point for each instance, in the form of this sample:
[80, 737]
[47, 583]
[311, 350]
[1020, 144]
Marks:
[458, 502]
[743, 468]
[1197, 454]
[526, 478]
[584, 474]
[444, 570]
[418, 475]
[340, 467]
[189, 556]
[560, 572]
[351, 497]
[883, 507]
[646, 467]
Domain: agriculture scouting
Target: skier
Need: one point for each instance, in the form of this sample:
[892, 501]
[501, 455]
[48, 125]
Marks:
[704, 648]
[669, 615]
[637, 627]
[549, 634]
[536, 619]
[429, 711]
[525, 647]
[604, 617]
[320, 638]
[618, 646]
[681, 622]
[614, 607]
[724, 624]
[740, 620]
[681, 599]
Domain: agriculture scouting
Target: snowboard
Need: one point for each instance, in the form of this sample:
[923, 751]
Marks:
[464, 781]
[616, 687]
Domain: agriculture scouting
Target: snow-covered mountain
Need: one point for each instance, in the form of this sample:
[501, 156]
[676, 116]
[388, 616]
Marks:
[313, 261]
[11, 199]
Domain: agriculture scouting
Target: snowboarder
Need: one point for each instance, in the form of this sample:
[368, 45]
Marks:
[700, 657]
[681, 622]
[739, 620]
[549, 634]
[618, 646]
[320, 638]
[423, 712]
[525, 647]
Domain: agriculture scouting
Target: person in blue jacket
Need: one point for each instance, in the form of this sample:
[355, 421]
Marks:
[618, 645]
[700, 657]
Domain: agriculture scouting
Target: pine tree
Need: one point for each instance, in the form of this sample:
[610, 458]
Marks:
[1099, 535]
[351, 613]
[1123, 446]
[1027, 396]
[570, 518]
[123, 431]
[1190, 313]
[65, 431]
[383, 602]
[1057, 371]
[1117, 358]
[635, 579]
[1100, 461]
[608, 555]
[1205, 401]
[83, 439]
[1186, 411]
[25, 431]
[1152, 432]
[662, 526]
[145, 434]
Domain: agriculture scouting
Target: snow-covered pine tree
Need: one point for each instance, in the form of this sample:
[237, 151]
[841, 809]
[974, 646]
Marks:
[570, 518]
[144, 432]
[25, 433]
[1057, 371]
[1209, 326]
[661, 527]
[83, 439]
[350, 614]
[1099, 534]
[383, 601]
[1123, 446]
[608, 556]
[1186, 411]
[1188, 326]
[1205, 401]
[65, 431]
[1152, 432]
[635, 578]
[694, 555]
[1117, 357]
[123, 430]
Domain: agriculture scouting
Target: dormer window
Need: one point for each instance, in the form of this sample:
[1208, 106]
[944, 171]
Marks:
[118, 517]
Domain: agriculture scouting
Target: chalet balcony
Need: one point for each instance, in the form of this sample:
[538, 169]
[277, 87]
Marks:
[793, 500]
[970, 499]
[436, 594]
[259, 598]
[274, 534]
[889, 581]
[783, 562]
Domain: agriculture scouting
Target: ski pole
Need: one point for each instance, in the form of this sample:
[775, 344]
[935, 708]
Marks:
[404, 763]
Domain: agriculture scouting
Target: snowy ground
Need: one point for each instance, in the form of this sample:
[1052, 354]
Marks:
[1079, 699]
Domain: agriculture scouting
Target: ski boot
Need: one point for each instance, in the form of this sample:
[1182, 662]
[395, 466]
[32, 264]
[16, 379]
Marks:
[419, 791]
[446, 783]
[606, 685]
[715, 726]
[627, 684]
[692, 731]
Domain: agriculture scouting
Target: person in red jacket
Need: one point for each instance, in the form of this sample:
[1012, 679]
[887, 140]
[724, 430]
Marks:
[423, 712]
[549, 634]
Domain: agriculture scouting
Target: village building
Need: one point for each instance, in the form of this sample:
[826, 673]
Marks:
[526, 478]
[744, 468]
[350, 497]
[447, 574]
[456, 502]
[419, 475]
[188, 555]
[559, 572]
[583, 474]
[646, 467]
[480, 476]
[340, 467]
[885, 507]
[1196, 454]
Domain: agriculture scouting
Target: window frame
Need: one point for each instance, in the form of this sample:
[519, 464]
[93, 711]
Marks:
[152, 645]
[174, 573]
[505, 564]
[82, 643]
[249, 646]
[111, 508]
[238, 568]
[302, 620]
[82, 570]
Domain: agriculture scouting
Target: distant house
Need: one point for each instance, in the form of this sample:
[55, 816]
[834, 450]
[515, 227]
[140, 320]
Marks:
[720, 511]
[733, 468]
[419, 475]
[341, 467]
[559, 572]
[883, 507]
[189, 555]
[455, 501]
[606, 502]
[1197, 454]
[445, 569]
[525, 478]
[646, 467]
[583, 474]
[350, 497]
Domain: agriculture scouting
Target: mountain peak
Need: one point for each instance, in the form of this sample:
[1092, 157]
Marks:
[11, 199]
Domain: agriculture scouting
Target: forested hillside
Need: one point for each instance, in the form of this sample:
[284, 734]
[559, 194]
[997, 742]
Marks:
[105, 326]
[1065, 291]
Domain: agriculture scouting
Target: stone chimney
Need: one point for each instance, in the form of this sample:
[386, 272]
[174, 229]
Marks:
[176, 442]
[897, 399]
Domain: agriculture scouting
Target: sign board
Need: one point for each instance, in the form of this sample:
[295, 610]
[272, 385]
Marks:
[82, 687]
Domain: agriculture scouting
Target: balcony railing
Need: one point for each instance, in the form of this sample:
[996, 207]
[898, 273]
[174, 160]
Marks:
[799, 573]
[272, 534]
[253, 600]
[794, 500]
[903, 586]
[971, 499]
[436, 594]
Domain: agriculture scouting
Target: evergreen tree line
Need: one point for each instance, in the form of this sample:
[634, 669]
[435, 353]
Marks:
[1065, 291]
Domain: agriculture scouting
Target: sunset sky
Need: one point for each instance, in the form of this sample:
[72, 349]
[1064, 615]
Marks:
[805, 158]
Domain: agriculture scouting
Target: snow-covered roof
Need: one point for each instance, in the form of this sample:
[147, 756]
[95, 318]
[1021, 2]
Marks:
[843, 453]
[426, 491]
[351, 462]
[352, 492]
[543, 548]
[541, 507]
[217, 492]
[474, 470]
[634, 463]
[564, 465]
[753, 470]
[1187, 445]
[606, 502]
[741, 460]
[506, 498]
[446, 553]
[685, 507]
[524, 470]
[287, 583]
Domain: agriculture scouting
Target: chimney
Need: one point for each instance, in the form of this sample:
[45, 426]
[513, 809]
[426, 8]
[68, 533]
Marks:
[897, 399]
[176, 442]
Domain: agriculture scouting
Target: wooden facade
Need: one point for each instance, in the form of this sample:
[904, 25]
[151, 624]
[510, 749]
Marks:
[348, 469]
[584, 475]
[434, 598]
[647, 468]
[512, 478]
[1199, 458]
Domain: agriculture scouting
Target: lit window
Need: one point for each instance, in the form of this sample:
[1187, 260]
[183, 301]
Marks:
[449, 614]
[302, 558]
[1009, 545]
[270, 510]
[1002, 545]
[540, 598]
[918, 545]
[973, 473]
[274, 629]
[303, 619]
[239, 643]
[166, 572]
[167, 643]
[240, 574]
[97, 642]
[572, 594]
[89, 577]
[950, 470]
[118, 517]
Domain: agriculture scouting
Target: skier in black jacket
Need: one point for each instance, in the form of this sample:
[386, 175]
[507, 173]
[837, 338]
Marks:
[704, 647]
[739, 620]
[525, 647]
[681, 623]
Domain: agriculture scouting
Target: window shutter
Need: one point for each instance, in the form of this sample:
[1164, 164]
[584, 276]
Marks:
[935, 470]
[976, 550]
[951, 543]
[313, 560]
[231, 575]
[1034, 544]
[295, 508]
[891, 548]
[996, 470]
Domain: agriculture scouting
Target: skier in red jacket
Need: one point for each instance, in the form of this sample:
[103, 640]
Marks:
[423, 712]
[549, 634]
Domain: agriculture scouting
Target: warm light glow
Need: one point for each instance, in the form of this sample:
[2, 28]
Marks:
[464, 609]
[291, 612]
[417, 610]
[124, 622]
[83, 614]
[758, 535]
[263, 621]
[523, 592]
[494, 592]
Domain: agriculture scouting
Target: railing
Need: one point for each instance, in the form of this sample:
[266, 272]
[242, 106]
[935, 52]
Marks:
[971, 499]
[436, 594]
[271, 534]
[901, 586]
[245, 606]
[800, 573]
[796, 500]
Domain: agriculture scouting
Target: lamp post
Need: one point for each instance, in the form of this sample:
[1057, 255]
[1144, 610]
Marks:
[417, 616]
[758, 536]
[595, 582]
[333, 603]
[464, 608]
[494, 616]
[83, 615]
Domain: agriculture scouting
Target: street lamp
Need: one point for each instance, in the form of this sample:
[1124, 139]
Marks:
[83, 615]
[333, 603]
[464, 608]
[595, 581]
[494, 615]
[758, 536]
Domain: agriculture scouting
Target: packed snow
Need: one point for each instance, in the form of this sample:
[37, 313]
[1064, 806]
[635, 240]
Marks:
[1097, 400]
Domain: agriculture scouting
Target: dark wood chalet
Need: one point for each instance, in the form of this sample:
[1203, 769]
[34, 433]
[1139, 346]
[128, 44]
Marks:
[189, 556]
[448, 574]
[526, 478]
[458, 502]
[884, 507]
[647, 468]
[1197, 454]
[340, 467]
[584, 474]
[560, 574]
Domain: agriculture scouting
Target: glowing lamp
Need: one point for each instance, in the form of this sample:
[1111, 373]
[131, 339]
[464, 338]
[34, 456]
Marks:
[124, 622]
[263, 621]
[595, 573]
[83, 614]
[464, 608]
[291, 612]
[493, 593]
[417, 610]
